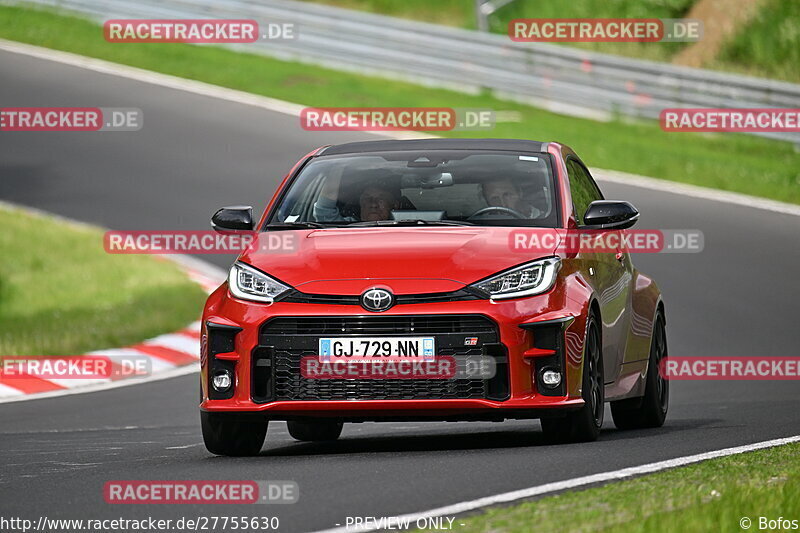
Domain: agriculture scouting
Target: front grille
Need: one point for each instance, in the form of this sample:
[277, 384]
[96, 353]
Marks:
[287, 340]
[380, 325]
[291, 386]
[461, 295]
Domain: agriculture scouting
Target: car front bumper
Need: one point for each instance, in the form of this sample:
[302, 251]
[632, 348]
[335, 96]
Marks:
[528, 335]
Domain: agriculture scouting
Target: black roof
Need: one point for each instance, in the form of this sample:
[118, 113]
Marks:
[511, 145]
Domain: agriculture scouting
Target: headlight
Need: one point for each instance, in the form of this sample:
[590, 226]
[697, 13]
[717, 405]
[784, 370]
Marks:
[247, 283]
[526, 280]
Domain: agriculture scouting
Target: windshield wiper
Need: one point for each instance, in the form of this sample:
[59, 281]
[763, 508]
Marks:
[296, 225]
[415, 222]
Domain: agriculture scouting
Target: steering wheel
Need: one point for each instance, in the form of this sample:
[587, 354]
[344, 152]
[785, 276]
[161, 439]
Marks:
[507, 210]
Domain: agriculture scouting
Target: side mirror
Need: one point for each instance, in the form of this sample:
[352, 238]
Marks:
[610, 214]
[235, 218]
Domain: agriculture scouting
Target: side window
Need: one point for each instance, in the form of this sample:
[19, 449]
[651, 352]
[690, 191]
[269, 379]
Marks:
[583, 189]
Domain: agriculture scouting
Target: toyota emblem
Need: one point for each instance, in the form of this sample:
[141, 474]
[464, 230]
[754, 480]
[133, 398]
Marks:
[377, 300]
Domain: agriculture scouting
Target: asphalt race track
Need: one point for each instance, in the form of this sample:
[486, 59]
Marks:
[194, 154]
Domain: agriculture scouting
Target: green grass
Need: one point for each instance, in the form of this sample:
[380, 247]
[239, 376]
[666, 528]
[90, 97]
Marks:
[706, 497]
[725, 161]
[62, 294]
[769, 45]
[461, 13]
[457, 13]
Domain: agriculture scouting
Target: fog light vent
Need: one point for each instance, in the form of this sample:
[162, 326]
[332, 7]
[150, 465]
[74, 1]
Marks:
[221, 381]
[551, 378]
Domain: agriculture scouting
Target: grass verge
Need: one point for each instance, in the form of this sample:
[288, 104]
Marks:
[710, 496]
[731, 162]
[769, 45]
[62, 294]
[461, 13]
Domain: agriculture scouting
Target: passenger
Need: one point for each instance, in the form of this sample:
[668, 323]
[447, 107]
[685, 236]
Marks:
[376, 202]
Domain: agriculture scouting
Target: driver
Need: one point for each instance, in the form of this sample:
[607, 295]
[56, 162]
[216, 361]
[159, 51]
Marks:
[507, 193]
[376, 202]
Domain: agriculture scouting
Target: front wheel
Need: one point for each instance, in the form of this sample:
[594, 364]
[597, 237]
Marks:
[583, 425]
[234, 434]
[314, 430]
[649, 411]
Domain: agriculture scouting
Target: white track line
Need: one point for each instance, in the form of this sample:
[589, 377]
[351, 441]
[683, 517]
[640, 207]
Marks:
[166, 374]
[577, 482]
[695, 191]
[288, 108]
[155, 78]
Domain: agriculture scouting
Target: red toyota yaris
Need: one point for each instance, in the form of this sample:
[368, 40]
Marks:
[394, 253]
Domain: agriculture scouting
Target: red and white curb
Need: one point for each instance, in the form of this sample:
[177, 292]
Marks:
[170, 355]
[208, 283]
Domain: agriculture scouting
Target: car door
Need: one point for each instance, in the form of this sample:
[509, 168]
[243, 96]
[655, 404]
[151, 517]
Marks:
[609, 273]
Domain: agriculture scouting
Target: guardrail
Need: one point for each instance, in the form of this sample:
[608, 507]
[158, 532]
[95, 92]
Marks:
[557, 78]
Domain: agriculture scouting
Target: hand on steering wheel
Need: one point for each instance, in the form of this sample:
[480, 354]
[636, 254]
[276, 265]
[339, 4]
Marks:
[508, 210]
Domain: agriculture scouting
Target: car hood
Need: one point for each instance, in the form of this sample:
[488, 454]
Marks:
[406, 260]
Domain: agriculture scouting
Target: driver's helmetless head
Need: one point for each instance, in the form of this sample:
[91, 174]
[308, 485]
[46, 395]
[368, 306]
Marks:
[377, 203]
[503, 193]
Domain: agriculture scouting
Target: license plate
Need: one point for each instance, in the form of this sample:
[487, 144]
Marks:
[377, 347]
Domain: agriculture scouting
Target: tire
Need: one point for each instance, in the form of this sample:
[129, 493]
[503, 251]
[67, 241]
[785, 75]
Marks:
[314, 430]
[583, 425]
[233, 434]
[650, 410]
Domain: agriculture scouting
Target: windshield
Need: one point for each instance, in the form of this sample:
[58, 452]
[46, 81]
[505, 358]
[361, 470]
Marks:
[433, 187]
